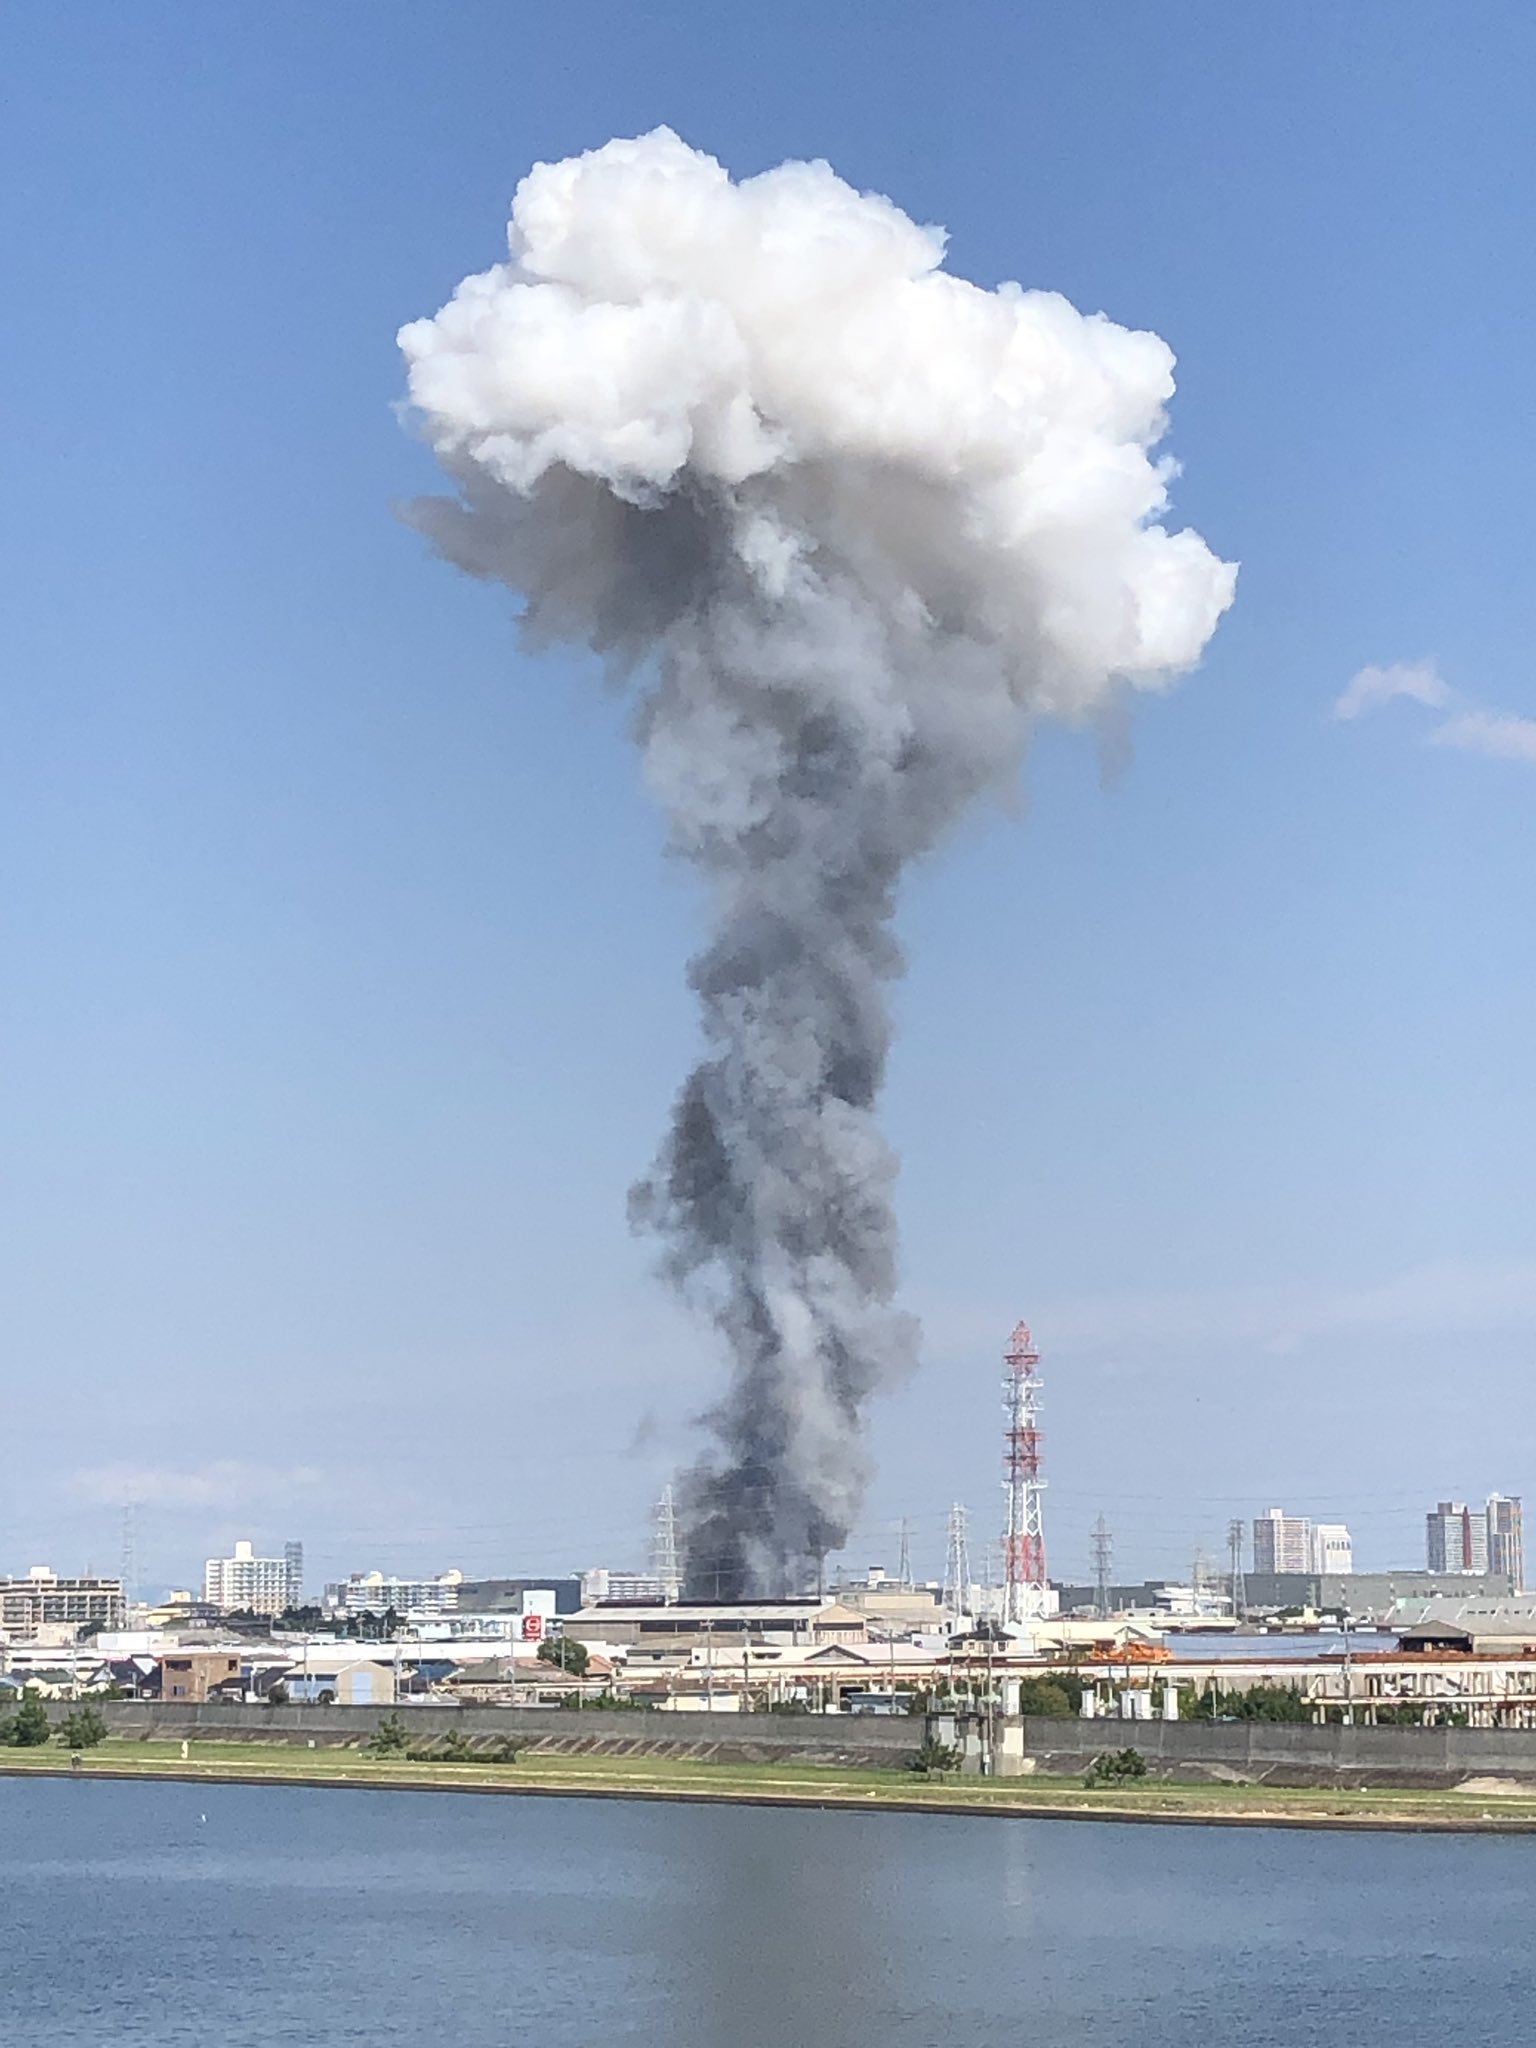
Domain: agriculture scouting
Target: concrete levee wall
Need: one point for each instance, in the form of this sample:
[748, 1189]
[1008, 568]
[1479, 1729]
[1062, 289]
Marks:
[1267, 1752]
[1282, 1752]
[863, 1741]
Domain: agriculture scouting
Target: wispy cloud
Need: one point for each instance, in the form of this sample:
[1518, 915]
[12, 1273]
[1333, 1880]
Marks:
[225, 1483]
[1419, 681]
[1499, 734]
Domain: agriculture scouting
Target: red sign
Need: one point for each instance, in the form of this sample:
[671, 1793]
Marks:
[533, 1627]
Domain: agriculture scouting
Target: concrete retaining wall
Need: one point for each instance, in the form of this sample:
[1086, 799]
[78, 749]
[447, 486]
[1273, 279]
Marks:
[859, 1741]
[1286, 1753]
[1276, 1753]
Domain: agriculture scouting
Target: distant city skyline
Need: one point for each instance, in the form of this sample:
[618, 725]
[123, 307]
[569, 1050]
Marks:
[344, 967]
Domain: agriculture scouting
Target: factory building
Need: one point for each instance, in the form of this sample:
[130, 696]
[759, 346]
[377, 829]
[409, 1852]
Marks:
[1367, 1596]
[683, 1625]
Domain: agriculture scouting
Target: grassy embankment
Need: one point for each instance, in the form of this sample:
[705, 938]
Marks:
[791, 1784]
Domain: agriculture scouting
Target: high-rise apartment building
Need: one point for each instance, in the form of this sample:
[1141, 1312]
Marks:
[1455, 1538]
[247, 1584]
[42, 1600]
[1458, 1538]
[1281, 1543]
[1290, 1543]
[1506, 1538]
[1333, 1549]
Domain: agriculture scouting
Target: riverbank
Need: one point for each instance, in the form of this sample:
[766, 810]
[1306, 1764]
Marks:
[1480, 1807]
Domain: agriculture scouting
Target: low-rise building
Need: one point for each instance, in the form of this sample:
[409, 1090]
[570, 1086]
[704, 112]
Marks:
[190, 1677]
[356, 1684]
[508, 1596]
[683, 1623]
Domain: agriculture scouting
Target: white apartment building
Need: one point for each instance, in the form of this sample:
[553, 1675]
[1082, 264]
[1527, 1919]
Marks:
[1291, 1543]
[249, 1584]
[43, 1602]
[1333, 1548]
[377, 1593]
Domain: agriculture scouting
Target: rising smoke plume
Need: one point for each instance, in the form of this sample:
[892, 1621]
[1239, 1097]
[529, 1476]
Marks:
[850, 524]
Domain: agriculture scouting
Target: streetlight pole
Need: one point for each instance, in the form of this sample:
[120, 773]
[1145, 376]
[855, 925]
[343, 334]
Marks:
[1349, 1691]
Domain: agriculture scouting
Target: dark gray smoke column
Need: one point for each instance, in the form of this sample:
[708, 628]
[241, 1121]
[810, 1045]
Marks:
[850, 523]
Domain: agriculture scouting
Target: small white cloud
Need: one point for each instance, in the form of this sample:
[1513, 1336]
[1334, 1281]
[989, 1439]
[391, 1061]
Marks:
[225, 1483]
[1419, 681]
[1499, 734]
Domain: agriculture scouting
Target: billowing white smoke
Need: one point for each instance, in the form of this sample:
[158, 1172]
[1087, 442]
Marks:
[850, 523]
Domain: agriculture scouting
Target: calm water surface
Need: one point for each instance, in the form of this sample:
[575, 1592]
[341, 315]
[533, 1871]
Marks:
[237, 1915]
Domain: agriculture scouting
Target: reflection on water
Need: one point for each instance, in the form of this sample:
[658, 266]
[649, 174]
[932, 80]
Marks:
[178, 1914]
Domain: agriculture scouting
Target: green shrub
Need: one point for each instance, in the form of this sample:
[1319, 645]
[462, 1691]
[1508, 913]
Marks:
[936, 1759]
[31, 1728]
[1116, 1767]
[1049, 1696]
[83, 1728]
[1267, 1702]
[389, 1738]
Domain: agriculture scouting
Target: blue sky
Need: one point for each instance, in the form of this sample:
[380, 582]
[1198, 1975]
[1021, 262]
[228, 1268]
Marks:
[343, 994]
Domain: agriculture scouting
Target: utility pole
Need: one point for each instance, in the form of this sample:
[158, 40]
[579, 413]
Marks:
[1103, 1559]
[1239, 1591]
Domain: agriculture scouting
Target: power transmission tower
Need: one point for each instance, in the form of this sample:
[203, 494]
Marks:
[1235, 1552]
[904, 1569]
[1103, 1559]
[665, 1564]
[1025, 1586]
[957, 1563]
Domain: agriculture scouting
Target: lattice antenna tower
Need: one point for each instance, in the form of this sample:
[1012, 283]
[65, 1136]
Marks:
[904, 1568]
[1025, 1587]
[1239, 1591]
[1103, 1562]
[130, 1564]
[957, 1562]
[666, 1566]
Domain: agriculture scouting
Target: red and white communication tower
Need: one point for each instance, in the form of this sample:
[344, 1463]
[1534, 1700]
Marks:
[1026, 1591]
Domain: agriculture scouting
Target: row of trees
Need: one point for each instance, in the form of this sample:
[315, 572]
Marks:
[29, 1727]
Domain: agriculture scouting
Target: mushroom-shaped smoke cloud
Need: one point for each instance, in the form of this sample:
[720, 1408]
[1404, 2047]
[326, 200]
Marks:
[851, 523]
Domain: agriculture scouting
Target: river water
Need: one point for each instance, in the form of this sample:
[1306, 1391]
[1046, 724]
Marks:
[234, 1915]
